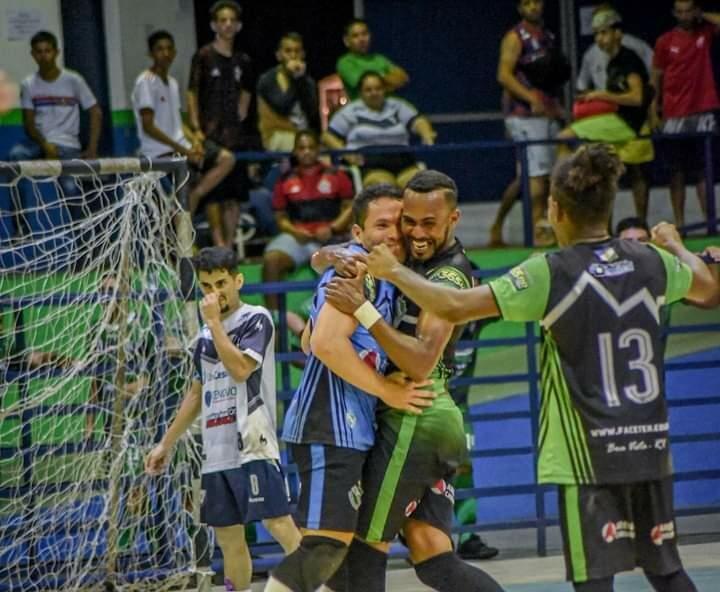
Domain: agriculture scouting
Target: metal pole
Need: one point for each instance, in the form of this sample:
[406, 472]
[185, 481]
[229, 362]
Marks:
[710, 186]
[526, 196]
[568, 42]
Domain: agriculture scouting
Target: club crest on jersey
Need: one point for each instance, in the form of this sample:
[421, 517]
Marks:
[371, 358]
[324, 186]
[607, 255]
[238, 73]
[370, 288]
[450, 275]
[444, 488]
[519, 279]
[622, 529]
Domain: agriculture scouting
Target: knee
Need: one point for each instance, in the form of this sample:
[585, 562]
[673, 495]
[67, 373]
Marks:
[375, 177]
[226, 158]
[425, 541]
[277, 261]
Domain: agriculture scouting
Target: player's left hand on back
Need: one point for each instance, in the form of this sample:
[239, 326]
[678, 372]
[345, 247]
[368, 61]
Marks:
[347, 294]
[381, 262]
[210, 308]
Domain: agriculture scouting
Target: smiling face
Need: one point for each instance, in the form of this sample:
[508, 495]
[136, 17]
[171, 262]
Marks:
[382, 226]
[225, 285]
[428, 223]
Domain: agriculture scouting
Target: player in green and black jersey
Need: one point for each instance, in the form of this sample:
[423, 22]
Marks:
[405, 481]
[603, 434]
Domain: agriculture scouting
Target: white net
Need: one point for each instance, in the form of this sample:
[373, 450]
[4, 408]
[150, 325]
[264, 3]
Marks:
[93, 363]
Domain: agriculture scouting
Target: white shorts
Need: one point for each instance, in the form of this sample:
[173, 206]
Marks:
[286, 243]
[541, 157]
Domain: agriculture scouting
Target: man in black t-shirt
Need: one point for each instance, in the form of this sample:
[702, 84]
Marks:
[628, 92]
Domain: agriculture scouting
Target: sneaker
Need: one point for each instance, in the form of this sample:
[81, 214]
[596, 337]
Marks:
[229, 585]
[475, 548]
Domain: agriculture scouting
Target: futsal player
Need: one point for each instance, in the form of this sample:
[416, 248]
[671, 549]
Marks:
[603, 435]
[233, 389]
[405, 482]
[330, 423]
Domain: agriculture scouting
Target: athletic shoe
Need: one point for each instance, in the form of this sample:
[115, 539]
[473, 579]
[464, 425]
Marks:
[475, 548]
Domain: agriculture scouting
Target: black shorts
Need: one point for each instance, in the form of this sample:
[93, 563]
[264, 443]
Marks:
[688, 154]
[408, 468]
[255, 491]
[330, 486]
[612, 528]
[395, 162]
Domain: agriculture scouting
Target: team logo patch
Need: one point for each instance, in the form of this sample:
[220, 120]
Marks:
[444, 488]
[371, 358]
[662, 532]
[215, 72]
[612, 269]
[350, 419]
[450, 275]
[208, 398]
[622, 529]
[355, 496]
[370, 288]
[324, 186]
[411, 507]
[607, 255]
[519, 279]
[238, 73]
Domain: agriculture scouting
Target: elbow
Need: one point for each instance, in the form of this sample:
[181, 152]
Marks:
[322, 347]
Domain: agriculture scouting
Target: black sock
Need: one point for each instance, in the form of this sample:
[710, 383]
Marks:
[366, 568]
[448, 573]
[311, 564]
[599, 585]
[674, 582]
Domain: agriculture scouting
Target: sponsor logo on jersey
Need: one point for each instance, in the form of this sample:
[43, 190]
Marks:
[215, 72]
[350, 419]
[411, 507]
[450, 275]
[662, 532]
[217, 395]
[355, 496]
[519, 279]
[238, 73]
[444, 488]
[611, 269]
[221, 418]
[622, 529]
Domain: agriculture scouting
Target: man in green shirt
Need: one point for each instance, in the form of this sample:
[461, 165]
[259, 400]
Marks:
[358, 60]
[603, 434]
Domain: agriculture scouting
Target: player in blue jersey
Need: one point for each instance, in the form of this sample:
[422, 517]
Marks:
[331, 423]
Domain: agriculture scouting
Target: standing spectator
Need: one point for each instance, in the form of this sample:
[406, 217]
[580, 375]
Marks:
[312, 205]
[531, 72]
[377, 120]
[358, 60]
[628, 97]
[50, 101]
[219, 93]
[287, 97]
[156, 102]
[685, 87]
[593, 69]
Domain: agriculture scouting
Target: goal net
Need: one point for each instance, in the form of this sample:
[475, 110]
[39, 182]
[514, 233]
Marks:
[94, 337]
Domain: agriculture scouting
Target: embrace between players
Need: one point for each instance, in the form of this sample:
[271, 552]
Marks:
[372, 469]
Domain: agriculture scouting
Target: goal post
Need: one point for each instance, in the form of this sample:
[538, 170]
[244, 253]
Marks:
[94, 342]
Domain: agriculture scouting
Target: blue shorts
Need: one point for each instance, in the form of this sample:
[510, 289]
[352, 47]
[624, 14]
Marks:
[255, 491]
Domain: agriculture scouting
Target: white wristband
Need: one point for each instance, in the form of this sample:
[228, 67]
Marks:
[367, 314]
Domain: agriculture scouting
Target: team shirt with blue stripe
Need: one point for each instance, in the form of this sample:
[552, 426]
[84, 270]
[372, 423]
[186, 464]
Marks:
[325, 409]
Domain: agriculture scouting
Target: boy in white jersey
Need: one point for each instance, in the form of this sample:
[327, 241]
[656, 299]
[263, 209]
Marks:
[51, 100]
[234, 389]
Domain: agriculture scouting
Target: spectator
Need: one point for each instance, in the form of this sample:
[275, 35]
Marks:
[593, 69]
[624, 106]
[633, 229]
[287, 97]
[377, 120]
[683, 78]
[358, 60]
[531, 72]
[50, 101]
[156, 103]
[312, 206]
[219, 95]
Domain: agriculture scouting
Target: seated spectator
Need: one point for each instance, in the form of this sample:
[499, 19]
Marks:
[358, 60]
[51, 100]
[287, 97]
[375, 120]
[633, 229]
[595, 75]
[312, 204]
[593, 69]
[156, 103]
[622, 108]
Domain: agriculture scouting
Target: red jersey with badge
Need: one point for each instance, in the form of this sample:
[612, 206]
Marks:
[312, 198]
[684, 57]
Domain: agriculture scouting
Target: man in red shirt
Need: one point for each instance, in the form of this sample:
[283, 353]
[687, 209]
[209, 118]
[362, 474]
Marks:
[312, 205]
[685, 87]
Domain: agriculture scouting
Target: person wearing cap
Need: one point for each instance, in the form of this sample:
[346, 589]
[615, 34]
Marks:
[622, 107]
[593, 67]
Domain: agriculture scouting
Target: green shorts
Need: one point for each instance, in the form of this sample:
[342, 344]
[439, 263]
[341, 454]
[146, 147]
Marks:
[609, 127]
[412, 456]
